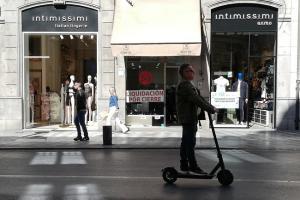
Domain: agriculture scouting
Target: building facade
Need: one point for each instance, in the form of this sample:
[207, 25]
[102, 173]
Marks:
[44, 43]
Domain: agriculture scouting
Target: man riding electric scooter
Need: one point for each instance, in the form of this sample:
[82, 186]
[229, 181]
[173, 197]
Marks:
[188, 102]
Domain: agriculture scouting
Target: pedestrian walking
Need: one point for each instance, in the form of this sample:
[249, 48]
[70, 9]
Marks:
[188, 102]
[80, 102]
[114, 111]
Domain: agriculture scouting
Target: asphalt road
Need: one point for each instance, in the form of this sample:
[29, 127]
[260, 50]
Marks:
[136, 174]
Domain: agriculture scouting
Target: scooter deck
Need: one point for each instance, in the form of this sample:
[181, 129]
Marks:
[194, 176]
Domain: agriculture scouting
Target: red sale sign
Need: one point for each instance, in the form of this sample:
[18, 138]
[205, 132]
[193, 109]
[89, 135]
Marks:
[145, 78]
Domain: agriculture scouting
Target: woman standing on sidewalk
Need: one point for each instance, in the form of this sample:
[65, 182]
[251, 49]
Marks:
[114, 111]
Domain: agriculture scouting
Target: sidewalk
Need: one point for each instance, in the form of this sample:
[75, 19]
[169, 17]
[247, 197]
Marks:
[150, 137]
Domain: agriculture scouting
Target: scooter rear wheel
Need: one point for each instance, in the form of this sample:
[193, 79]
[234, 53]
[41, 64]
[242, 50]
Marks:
[225, 177]
[169, 175]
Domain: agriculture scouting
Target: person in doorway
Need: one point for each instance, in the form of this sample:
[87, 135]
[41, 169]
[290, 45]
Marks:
[114, 111]
[188, 102]
[81, 110]
[241, 87]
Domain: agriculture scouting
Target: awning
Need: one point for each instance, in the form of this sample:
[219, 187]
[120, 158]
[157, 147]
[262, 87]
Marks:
[156, 28]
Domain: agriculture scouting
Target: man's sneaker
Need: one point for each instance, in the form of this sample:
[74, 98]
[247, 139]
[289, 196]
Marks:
[184, 166]
[78, 139]
[86, 139]
[197, 170]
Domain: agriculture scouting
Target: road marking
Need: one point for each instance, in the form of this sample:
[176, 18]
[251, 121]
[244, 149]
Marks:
[235, 156]
[72, 157]
[44, 158]
[212, 155]
[141, 177]
[51, 158]
[246, 156]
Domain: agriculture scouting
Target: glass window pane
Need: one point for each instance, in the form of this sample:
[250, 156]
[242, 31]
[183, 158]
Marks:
[229, 58]
[144, 74]
[262, 44]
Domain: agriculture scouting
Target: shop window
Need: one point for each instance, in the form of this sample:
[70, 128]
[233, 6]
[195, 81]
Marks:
[52, 63]
[250, 58]
[144, 86]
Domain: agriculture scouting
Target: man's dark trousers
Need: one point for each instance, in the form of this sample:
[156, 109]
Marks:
[188, 142]
[79, 120]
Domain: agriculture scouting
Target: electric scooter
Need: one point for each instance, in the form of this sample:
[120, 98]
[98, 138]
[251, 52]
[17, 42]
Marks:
[225, 177]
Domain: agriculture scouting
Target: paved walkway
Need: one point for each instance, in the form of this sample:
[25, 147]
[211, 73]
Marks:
[150, 137]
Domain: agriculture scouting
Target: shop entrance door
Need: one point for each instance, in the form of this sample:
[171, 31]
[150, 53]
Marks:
[172, 80]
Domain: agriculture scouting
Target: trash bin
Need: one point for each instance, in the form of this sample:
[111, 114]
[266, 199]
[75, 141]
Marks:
[107, 135]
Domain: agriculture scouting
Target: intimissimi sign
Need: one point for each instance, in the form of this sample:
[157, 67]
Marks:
[69, 19]
[244, 18]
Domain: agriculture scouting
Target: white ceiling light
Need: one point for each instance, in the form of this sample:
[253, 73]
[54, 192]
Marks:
[61, 37]
[71, 37]
[92, 37]
[81, 37]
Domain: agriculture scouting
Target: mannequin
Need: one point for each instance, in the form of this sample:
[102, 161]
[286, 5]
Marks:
[89, 95]
[221, 84]
[241, 87]
[72, 100]
[31, 102]
[67, 102]
[62, 104]
[95, 100]
[263, 89]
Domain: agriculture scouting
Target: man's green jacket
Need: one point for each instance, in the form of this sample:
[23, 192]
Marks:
[188, 99]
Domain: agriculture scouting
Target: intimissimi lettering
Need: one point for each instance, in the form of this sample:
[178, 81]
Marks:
[43, 18]
[244, 16]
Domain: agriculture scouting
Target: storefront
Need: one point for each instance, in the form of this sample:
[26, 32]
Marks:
[243, 64]
[137, 47]
[59, 48]
[153, 45]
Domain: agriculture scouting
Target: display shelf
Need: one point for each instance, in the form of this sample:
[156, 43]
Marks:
[262, 117]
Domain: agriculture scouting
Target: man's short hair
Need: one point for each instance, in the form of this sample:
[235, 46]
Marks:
[182, 68]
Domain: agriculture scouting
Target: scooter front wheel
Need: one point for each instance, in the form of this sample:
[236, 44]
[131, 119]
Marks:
[169, 175]
[225, 177]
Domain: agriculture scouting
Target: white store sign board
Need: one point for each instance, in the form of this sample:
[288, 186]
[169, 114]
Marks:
[225, 99]
[134, 96]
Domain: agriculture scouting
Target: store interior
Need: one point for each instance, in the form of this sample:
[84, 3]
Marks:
[52, 64]
[254, 56]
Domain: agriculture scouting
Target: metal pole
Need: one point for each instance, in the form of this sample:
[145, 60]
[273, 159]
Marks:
[298, 75]
[297, 121]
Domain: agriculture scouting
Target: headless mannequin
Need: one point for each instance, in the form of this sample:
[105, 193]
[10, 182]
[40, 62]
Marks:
[89, 95]
[221, 84]
[72, 99]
